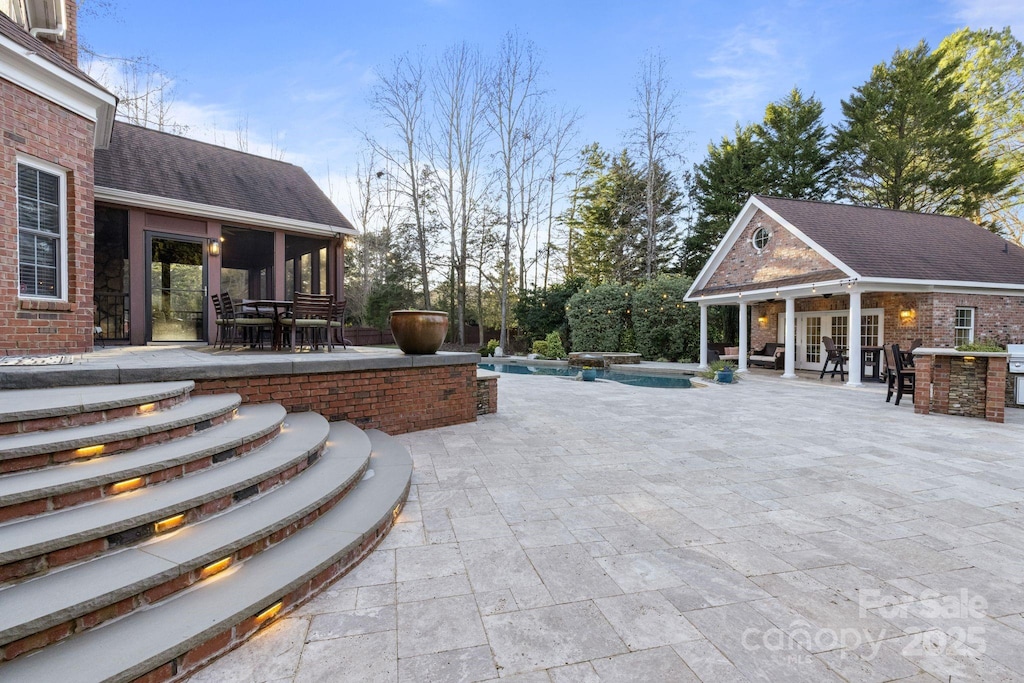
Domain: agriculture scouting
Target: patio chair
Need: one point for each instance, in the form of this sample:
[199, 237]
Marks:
[902, 378]
[338, 323]
[835, 356]
[311, 313]
[225, 324]
[908, 356]
[251, 326]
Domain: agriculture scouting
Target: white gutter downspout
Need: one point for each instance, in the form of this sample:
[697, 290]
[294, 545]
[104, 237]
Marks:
[57, 32]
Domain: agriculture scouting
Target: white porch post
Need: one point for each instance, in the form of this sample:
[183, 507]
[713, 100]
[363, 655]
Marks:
[703, 337]
[790, 355]
[855, 359]
[742, 363]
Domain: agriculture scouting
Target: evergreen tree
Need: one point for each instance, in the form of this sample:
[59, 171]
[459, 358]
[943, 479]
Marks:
[908, 140]
[734, 169]
[989, 66]
[794, 143]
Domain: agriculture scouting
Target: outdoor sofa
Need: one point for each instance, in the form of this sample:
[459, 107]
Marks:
[771, 356]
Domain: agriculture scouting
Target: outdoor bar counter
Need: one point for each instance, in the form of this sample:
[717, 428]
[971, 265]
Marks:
[968, 383]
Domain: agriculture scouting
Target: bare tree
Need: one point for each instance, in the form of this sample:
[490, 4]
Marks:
[398, 97]
[458, 93]
[562, 135]
[512, 93]
[145, 93]
[654, 113]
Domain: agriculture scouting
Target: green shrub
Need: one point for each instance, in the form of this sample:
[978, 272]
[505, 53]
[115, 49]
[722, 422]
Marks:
[664, 325]
[554, 347]
[598, 316]
[539, 311]
[983, 346]
[540, 347]
[488, 348]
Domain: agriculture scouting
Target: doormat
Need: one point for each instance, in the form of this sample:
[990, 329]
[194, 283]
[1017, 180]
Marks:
[35, 360]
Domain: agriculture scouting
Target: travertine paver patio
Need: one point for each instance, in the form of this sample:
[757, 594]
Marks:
[772, 530]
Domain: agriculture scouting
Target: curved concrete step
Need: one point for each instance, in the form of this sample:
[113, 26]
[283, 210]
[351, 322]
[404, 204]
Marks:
[303, 435]
[148, 639]
[28, 405]
[64, 595]
[251, 423]
[197, 410]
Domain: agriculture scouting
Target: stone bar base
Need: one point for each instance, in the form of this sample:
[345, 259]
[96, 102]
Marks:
[958, 383]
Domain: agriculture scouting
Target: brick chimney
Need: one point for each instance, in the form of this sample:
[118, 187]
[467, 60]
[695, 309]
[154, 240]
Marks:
[66, 47]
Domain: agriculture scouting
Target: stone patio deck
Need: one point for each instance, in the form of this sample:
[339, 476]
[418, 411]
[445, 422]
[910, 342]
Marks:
[769, 530]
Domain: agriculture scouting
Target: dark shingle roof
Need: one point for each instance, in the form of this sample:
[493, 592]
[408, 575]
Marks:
[884, 243]
[16, 33]
[156, 163]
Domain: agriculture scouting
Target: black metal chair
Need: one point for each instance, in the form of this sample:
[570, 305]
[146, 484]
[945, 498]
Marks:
[225, 325]
[338, 323]
[835, 356]
[899, 377]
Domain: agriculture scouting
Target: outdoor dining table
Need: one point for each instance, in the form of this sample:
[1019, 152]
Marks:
[271, 308]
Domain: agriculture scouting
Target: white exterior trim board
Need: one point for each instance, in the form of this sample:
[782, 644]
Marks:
[226, 215]
[32, 72]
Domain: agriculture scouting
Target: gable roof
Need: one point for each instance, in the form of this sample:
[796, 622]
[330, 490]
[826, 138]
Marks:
[876, 245]
[883, 243]
[144, 166]
[10, 29]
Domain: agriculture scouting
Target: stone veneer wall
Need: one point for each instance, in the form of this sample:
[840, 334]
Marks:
[37, 128]
[395, 401]
[486, 395]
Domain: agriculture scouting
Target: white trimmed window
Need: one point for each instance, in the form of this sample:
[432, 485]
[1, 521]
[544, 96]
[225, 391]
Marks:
[42, 230]
[963, 328]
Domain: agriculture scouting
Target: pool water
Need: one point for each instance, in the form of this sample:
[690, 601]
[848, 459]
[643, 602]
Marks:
[656, 382]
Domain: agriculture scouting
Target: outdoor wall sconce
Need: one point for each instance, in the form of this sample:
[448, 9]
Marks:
[214, 247]
[762, 320]
[907, 315]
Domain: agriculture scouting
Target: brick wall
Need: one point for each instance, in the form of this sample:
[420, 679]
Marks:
[486, 395]
[37, 128]
[395, 401]
[66, 47]
[1000, 318]
[784, 256]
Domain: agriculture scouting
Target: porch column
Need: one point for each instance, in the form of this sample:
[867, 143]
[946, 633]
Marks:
[790, 355]
[703, 337]
[743, 338]
[855, 359]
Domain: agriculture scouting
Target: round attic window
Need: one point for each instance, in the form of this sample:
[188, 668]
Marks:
[760, 238]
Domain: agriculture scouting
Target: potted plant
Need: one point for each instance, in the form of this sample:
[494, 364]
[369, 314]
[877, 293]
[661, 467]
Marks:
[589, 373]
[419, 331]
[721, 371]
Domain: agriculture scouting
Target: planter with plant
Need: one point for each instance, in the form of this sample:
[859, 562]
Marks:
[721, 371]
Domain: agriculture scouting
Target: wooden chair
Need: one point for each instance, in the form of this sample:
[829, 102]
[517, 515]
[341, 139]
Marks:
[835, 356]
[338, 323]
[225, 324]
[311, 313]
[899, 377]
[252, 326]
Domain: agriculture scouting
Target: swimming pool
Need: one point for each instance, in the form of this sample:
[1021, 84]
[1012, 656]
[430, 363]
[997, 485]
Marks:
[652, 381]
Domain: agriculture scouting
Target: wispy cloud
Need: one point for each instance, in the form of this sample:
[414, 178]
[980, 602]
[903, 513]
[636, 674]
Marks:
[742, 72]
[978, 14]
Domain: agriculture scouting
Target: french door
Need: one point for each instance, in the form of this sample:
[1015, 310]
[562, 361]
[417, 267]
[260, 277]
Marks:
[811, 326]
[176, 289]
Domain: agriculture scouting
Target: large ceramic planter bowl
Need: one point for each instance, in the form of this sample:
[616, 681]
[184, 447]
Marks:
[419, 331]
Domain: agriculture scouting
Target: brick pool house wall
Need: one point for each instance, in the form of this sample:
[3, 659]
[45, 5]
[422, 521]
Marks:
[999, 318]
[34, 127]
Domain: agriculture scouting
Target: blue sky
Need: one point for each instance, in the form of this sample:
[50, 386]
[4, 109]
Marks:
[300, 71]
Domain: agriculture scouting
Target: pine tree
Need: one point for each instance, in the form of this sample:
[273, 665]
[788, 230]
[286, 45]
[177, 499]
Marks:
[908, 140]
[734, 169]
[794, 142]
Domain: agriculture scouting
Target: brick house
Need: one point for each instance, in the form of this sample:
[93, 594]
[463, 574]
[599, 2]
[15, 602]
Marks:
[802, 270]
[116, 232]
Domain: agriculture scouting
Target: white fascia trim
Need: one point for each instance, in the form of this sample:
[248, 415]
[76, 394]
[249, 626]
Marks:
[232, 216]
[32, 72]
[732, 235]
[946, 286]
